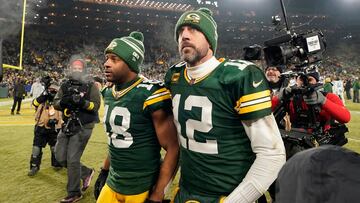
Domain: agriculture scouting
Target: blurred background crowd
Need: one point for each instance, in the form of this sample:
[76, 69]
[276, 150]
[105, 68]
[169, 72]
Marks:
[89, 25]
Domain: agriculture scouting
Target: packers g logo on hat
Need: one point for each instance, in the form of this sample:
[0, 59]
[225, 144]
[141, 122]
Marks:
[193, 17]
[112, 45]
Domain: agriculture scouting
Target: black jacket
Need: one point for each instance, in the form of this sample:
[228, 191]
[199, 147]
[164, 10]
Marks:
[88, 113]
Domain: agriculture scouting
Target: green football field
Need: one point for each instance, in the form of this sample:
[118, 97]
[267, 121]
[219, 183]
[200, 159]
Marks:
[48, 186]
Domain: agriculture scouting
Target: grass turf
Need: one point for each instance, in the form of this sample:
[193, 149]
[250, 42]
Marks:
[49, 185]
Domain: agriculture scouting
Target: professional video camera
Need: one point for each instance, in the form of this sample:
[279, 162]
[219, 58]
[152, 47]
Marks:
[296, 49]
[303, 52]
[73, 124]
[46, 81]
[252, 52]
[49, 91]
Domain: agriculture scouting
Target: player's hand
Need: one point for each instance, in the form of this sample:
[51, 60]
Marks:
[315, 98]
[100, 182]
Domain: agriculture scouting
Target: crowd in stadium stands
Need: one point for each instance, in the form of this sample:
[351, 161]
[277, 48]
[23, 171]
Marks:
[50, 57]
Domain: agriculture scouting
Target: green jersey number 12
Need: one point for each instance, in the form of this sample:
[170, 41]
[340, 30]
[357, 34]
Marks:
[204, 125]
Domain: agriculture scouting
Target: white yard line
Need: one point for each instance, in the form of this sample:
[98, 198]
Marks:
[4, 103]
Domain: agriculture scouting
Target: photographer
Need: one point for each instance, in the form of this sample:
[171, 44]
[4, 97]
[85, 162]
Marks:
[79, 100]
[48, 123]
[312, 110]
[273, 76]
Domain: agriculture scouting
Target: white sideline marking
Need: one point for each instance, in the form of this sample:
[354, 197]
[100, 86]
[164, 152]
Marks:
[17, 124]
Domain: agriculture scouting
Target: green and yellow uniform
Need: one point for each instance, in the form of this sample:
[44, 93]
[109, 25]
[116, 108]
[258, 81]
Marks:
[215, 152]
[134, 150]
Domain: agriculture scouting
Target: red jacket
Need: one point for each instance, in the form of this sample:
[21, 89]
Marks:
[333, 108]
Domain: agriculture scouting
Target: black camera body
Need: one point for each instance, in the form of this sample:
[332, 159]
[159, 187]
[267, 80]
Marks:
[52, 122]
[299, 50]
[46, 81]
[252, 52]
[73, 124]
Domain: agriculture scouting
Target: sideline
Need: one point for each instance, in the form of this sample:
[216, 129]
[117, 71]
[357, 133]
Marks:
[10, 102]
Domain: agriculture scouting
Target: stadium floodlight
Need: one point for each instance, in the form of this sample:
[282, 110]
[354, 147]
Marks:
[21, 41]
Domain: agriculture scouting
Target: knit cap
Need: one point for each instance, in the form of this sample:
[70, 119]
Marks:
[130, 49]
[201, 20]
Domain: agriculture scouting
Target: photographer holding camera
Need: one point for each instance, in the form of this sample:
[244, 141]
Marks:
[312, 111]
[48, 123]
[79, 100]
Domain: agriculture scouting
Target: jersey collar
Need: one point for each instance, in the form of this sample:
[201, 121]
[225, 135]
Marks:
[122, 92]
[198, 73]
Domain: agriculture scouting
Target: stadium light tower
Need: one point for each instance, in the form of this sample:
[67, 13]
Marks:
[21, 42]
[1, 66]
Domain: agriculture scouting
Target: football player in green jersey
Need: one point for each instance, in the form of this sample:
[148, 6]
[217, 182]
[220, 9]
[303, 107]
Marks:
[138, 121]
[231, 149]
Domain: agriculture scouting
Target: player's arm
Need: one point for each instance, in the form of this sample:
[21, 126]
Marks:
[167, 136]
[254, 108]
[268, 146]
[101, 180]
[106, 164]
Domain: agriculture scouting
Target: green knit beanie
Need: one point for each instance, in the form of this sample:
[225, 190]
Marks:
[130, 49]
[202, 20]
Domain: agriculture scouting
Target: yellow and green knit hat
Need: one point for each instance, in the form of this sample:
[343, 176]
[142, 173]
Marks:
[130, 49]
[201, 20]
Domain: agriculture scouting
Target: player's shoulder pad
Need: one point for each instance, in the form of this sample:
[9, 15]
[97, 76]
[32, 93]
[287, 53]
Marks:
[174, 69]
[177, 67]
[150, 85]
[233, 70]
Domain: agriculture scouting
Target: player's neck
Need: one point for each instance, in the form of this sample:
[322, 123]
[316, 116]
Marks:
[202, 69]
[127, 82]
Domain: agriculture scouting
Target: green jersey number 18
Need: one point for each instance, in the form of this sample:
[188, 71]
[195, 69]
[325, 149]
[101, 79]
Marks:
[119, 137]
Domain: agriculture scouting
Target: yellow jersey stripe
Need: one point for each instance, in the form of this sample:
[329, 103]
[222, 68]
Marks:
[36, 103]
[158, 95]
[155, 100]
[253, 108]
[253, 102]
[160, 90]
[254, 96]
[91, 106]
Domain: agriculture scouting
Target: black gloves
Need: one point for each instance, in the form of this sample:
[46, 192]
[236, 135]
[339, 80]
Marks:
[315, 98]
[42, 98]
[100, 182]
[72, 101]
[78, 100]
[66, 102]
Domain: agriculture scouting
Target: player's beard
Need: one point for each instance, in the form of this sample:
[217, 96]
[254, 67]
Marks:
[192, 55]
